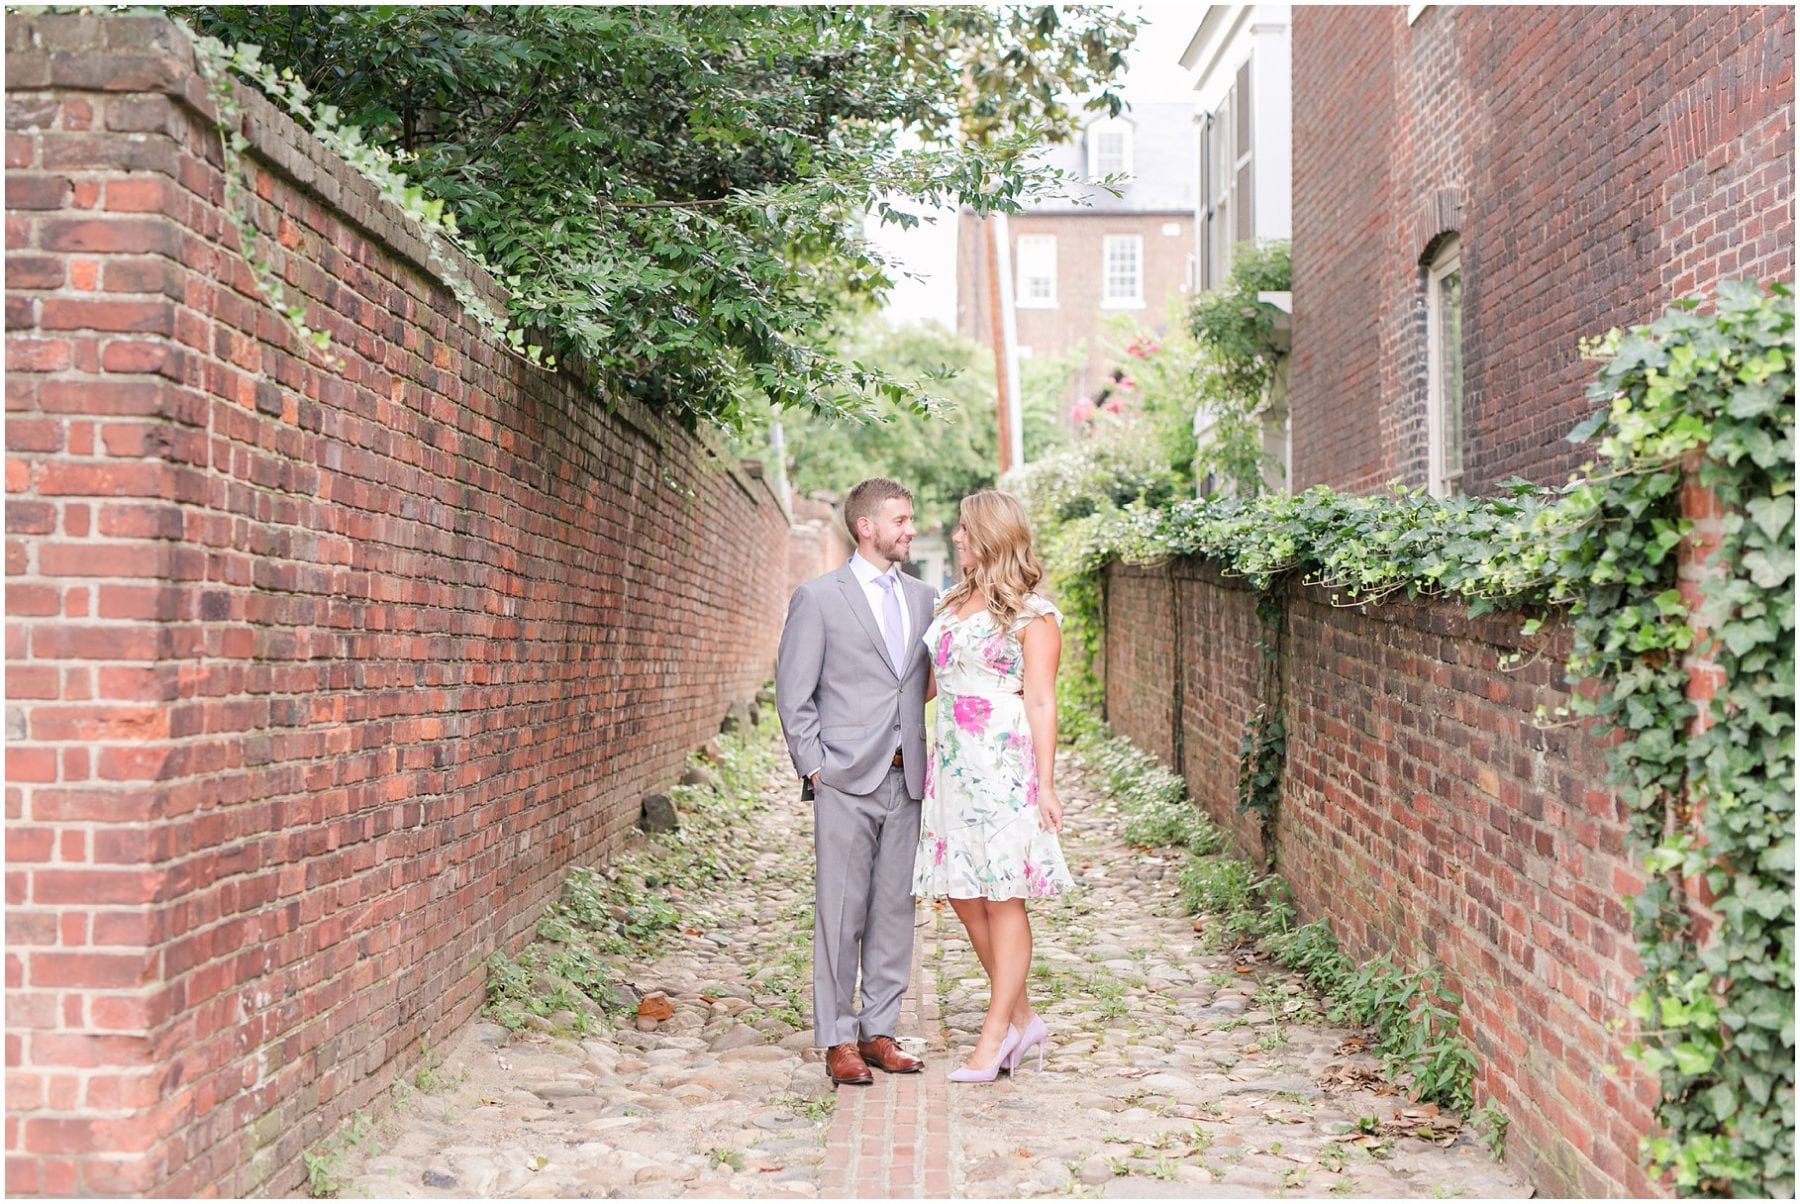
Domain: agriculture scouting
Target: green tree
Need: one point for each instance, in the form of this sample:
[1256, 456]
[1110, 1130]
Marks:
[673, 194]
[942, 457]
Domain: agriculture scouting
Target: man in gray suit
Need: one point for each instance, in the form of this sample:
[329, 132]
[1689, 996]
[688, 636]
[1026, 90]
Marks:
[850, 686]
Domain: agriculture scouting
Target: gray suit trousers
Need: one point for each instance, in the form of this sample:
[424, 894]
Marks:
[863, 913]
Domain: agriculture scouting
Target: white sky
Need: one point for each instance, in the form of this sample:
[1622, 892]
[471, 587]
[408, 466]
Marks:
[1154, 73]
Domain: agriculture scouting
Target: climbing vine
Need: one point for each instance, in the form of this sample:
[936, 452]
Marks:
[1706, 399]
[1238, 360]
[221, 65]
[1698, 399]
[1263, 750]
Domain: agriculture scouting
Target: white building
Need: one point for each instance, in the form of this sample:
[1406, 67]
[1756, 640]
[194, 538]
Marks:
[1240, 61]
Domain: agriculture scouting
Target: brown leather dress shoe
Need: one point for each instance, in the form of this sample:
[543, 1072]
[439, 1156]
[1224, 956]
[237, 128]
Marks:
[845, 1065]
[886, 1053]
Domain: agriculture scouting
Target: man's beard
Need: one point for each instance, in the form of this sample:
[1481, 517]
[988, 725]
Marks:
[890, 550]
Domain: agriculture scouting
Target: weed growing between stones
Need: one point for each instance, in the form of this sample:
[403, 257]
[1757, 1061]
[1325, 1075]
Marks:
[1491, 1123]
[323, 1175]
[566, 980]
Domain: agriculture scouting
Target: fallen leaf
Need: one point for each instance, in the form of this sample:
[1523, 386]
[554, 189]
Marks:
[1352, 1076]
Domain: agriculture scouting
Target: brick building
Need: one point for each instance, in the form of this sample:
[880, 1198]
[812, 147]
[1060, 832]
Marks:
[1078, 263]
[1476, 189]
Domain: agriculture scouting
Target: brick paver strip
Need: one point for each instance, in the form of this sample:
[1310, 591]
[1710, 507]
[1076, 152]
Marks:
[892, 1140]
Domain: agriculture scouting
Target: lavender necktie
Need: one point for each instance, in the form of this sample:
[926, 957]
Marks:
[890, 617]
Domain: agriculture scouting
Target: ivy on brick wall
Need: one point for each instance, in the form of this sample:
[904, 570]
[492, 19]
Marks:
[1710, 784]
[1696, 399]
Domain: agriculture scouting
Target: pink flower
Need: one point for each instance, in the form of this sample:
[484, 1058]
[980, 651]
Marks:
[1031, 791]
[943, 652]
[971, 712]
[1081, 411]
[1128, 382]
[937, 853]
[1113, 405]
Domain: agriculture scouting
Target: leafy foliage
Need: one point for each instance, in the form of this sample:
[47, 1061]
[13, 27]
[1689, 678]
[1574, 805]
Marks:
[1154, 799]
[1262, 752]
[1238, 362]
[672, 195]
[940, 457]
[1070, 496]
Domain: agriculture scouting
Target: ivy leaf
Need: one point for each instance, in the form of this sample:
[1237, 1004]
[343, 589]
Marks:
[1691, 1059]
[1772, 568]
[1773, 515]
[1588, 426]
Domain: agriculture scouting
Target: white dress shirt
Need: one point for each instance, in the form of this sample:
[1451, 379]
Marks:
[866, 575]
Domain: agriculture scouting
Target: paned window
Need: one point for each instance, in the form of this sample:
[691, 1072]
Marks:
[1444, 368]
[1037, 271]
[1109, 148]
[1122, 271]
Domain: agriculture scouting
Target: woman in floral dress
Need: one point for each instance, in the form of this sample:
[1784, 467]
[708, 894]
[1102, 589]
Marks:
[987, 836]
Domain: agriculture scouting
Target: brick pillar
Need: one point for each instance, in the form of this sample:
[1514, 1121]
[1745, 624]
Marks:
[91, 519]
[1701, 507]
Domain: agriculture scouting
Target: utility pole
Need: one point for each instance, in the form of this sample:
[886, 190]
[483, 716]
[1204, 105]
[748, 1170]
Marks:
[1003, 323]
[997, 324]
[1014, 430]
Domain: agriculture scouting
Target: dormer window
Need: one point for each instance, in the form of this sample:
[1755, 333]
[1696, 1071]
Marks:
[1109, 148]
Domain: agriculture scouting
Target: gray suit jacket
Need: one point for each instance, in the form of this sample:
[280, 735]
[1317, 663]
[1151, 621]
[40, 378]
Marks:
[843, 707]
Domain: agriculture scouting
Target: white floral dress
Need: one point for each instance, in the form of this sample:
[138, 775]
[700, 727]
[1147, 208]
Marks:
[979, 833]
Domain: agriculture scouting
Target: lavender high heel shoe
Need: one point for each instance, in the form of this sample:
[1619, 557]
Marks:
[1035, 1034]
[962, 1074]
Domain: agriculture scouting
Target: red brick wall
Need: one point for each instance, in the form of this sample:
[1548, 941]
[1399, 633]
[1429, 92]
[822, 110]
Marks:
[817, 543]
[318, 676]
[1425, 814]
[1588, 190]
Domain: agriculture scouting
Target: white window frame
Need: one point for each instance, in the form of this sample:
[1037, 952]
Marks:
[1442, 481]
[1023, 296]
[1109, 125]
[1107, 299]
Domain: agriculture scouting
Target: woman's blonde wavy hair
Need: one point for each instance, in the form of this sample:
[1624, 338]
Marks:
[1006, 569]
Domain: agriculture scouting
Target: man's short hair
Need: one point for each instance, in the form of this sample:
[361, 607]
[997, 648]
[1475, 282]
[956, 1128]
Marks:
[866, 499]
